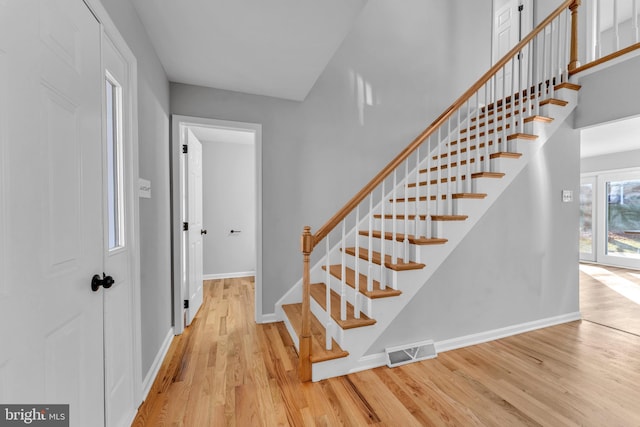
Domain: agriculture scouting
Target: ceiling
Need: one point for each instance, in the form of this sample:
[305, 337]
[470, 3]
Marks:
[276, 47]
[623, 135]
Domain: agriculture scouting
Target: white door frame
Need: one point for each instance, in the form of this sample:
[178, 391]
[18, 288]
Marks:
[130, 128]
[178, 123]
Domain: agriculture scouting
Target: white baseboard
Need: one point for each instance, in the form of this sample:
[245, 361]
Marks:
[376, 360]
[268, 318]
[508, 331]
[157, 363]
[228, 275]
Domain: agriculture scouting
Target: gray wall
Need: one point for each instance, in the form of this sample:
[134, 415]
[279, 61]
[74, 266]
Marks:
[518, 264]
[153, 138]
[318, 153]
[609, 94]
[228, 178]
[622, 160]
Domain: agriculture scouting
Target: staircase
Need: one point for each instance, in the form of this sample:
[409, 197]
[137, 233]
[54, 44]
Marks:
[386, 243]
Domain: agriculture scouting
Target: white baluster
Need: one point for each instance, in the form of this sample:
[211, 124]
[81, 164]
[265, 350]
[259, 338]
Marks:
[636, 30]
[521, 104]
[370, 246]
[427, 221]
[416, 209]
[328, 335]
[598, 30]
[466, 188]
[449, 167]
[487, 100]
[343, 261]
[405, 254]
[494, 80]
[530, 82]
[439, 171]
[504, 103]
[394, 215]
[356, 302]
[328, 279]
[616, 26]
[552, 55]
[382, 243]
[458, 159]
[543, 87]
[514, 108]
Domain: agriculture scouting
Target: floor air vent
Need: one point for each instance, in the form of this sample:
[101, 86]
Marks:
[403, 354]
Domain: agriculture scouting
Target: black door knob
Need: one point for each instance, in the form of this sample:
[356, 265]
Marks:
[106, 282]
[203, 231]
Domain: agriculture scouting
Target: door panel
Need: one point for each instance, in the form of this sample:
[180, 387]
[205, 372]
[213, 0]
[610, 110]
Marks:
[194, 214]
[52, 196]
[118, 237]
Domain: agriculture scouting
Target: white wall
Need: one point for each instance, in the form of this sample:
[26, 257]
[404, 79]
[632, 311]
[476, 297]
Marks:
[609, 94]
[394, 74]
[518, 264]
[153, 134]
[612, 161]
[229, 196]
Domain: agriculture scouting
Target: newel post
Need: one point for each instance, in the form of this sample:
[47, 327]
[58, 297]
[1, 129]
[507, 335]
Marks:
[573, 60]
[306, 245]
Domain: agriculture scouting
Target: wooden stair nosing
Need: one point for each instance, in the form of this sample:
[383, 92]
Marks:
[376, 259]
[488, 175]
[400, 217]
[505, 155]
[520, 135]
[538, 118]
[554, 101]
[318, 351]
[318, 293]
[350, 279]
[400, 238]
[443, 197]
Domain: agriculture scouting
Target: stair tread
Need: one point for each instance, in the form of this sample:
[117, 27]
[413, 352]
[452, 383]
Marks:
[449, 217]
[488, 175]
[538, 118]
[401, 217]
[446, 165]
[318, 351]
[376, 259]
[400, 238]
[521, 135]
[505, 155]
[350, 280]
[554, 101]
[443, 197]
[318, 292]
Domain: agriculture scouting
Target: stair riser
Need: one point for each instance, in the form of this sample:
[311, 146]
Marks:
[388, 247]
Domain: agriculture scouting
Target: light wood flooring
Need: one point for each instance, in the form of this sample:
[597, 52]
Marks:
[227, 371]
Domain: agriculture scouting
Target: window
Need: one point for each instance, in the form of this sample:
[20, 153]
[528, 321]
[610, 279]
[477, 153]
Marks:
[610, 218]
[114, 162]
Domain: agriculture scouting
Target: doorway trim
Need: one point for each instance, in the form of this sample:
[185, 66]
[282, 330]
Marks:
[179, 122]
[130, 121]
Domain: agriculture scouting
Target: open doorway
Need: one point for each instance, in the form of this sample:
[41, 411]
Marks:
[216, 208]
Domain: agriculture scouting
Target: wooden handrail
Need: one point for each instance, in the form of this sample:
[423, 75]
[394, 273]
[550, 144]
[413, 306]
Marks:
[404, 154]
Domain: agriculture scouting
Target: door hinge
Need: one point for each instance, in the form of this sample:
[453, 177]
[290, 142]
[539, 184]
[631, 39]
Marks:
[185, 148]
[520, 8]
[185, 226]
[186, 303]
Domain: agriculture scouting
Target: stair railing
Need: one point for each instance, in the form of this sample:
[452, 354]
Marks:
[435, 168]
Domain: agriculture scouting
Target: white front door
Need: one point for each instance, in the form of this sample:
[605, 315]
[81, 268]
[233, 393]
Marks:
[196, 230]
[51, 230]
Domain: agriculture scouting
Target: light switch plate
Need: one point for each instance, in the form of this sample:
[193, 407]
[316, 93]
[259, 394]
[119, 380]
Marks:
[567, 196]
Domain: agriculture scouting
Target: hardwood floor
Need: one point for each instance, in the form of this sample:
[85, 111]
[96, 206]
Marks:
[227, 371]
[601, 303]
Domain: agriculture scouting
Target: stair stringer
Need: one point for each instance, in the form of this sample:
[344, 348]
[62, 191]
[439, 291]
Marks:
[357, 341]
